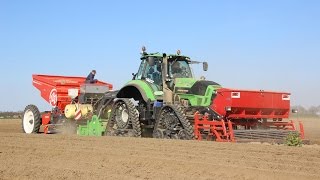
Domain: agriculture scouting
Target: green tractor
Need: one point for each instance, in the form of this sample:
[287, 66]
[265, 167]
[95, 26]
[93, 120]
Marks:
[161, 99]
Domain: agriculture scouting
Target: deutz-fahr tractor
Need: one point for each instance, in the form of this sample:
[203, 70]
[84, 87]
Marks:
[163, 100]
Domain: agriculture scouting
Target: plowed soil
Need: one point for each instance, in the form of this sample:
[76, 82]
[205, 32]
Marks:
[40, 156]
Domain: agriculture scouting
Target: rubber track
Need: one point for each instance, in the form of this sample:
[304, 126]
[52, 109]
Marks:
[37, 118]
[179, 111]
[133, 115]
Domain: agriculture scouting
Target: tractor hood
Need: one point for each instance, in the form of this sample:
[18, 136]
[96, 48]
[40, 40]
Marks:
[193, 86]
[198, 92]
[184, 82]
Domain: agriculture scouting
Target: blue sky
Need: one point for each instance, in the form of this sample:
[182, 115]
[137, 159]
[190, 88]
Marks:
[270, 45]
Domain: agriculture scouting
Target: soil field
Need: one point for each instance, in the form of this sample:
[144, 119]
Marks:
[40, 156]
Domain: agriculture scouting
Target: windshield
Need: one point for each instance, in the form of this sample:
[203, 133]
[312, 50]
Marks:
[150, 71]
[153, 73]
[179, 69]
[140, 71]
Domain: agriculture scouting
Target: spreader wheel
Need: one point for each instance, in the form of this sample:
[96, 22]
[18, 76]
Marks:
[31, 119]
[124, 119]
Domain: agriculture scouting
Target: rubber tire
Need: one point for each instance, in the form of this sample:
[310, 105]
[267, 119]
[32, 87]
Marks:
[37, 118]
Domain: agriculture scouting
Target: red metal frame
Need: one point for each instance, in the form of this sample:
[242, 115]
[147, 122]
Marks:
[252, 123]
[301, 130]
[222, 130]
[219, 130]
[250, 104]
[46, 117]
[54, 89]
[246, 109]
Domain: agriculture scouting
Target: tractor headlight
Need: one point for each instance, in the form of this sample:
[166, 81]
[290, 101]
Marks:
[143, 50]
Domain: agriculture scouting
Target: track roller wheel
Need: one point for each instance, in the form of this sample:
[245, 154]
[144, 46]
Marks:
[158, 133]
[183, 134]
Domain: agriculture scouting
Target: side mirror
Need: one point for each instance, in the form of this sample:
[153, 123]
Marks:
[205, 66]
[294, 111]
[151, 61]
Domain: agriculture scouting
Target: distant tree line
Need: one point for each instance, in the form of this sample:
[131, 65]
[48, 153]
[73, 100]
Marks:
[311, 111]
[10, 114]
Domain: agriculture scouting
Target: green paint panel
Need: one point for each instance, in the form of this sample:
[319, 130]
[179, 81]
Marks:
[145, 87]
[184, 82]
[197, 100]
[94, 127]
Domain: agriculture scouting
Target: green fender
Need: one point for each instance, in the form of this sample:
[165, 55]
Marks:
[137, 89]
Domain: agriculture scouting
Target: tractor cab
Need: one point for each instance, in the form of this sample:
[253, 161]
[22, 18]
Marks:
[154, 65]
[165, 74]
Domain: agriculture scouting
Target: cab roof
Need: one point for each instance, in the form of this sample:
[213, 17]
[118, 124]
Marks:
[160, 55]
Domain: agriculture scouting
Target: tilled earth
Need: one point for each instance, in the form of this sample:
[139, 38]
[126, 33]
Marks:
[40, 156]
